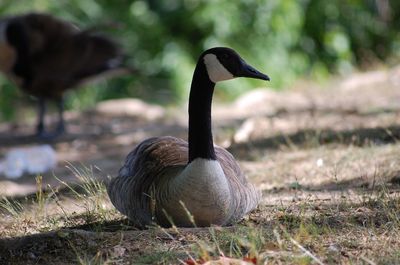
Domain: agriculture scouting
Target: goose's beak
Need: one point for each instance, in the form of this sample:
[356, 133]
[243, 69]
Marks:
[251, 72]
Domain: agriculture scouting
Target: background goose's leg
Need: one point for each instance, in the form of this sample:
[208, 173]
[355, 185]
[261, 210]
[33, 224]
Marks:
[61, 124]
[40, 132]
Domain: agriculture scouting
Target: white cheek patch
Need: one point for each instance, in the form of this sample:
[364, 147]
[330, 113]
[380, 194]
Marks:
[216, 71]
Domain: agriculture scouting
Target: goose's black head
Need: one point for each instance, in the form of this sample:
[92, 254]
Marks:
[224, 64]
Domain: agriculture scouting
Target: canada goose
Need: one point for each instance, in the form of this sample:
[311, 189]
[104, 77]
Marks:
[45, 56]
[169, 181]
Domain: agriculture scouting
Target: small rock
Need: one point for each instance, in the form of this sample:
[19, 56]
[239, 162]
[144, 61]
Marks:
[119, 251]
[333, 248]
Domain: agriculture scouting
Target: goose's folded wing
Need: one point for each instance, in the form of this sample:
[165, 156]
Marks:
[131, 191]
[245, 197]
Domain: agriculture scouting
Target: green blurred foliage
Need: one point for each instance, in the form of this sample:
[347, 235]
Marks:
[284, 38]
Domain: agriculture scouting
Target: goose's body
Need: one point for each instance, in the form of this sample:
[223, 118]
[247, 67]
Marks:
[166, 180]
[145, 190]
[46, 56]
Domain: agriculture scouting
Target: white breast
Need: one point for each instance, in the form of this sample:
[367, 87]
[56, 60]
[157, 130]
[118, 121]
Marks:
[201, 168]
[208, 178]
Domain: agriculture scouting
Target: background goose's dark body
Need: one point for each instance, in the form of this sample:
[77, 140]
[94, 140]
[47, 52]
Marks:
[46, 56]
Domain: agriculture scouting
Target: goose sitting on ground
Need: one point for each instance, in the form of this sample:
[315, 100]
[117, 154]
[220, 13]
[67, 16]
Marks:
[46, 56]
[166, 180]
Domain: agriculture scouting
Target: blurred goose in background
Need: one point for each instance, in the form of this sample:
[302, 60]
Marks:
[45, 56]
[166, 180]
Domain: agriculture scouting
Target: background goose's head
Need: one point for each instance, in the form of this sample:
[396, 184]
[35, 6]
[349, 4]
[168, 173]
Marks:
[224, 64]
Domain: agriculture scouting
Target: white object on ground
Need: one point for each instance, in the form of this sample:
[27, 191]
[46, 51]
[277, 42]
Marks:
[320, 162]
[33, 160]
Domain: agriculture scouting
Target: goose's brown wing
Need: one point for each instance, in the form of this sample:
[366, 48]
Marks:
[130, 192]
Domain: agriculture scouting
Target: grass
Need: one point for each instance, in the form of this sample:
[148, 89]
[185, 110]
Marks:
[305, 231]
[11, 207]
[76, 222]
[90, 192]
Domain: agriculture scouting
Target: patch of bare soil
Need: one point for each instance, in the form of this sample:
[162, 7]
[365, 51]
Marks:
[326, 159]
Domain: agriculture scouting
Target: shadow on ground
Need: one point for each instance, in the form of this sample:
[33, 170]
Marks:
[313, 138]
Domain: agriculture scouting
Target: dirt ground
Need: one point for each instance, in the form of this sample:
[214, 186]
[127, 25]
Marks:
[327, 159]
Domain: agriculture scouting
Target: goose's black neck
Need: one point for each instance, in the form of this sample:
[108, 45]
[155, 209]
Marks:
[200, 135]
